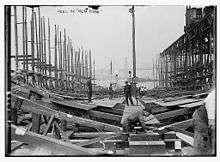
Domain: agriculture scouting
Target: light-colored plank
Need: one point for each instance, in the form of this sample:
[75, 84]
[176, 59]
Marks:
[185, 138]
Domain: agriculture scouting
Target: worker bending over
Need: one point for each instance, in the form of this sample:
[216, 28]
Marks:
[131, 121]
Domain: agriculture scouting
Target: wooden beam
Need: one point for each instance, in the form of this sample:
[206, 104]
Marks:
[175, 113]
[48, 143]
[48, 125]
[16, 38]
[100, 138]
[103, 115]
[43, 110]
[189, 140]
[35, 122]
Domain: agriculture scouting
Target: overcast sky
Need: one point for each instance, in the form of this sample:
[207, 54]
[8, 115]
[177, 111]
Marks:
[108, 33]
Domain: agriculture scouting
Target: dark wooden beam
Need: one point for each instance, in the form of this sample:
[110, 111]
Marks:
[43, 110]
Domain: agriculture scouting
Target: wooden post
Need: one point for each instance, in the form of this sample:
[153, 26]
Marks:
[86, 64]
[35, 123]
[60, 56]
[75, 62]
[82, 63]
[214, 45]
[166, 71]
[16, 38]
[133, 41]
[26, 37]
[55, 57]
[23, 38]
[45, 48]
[7, 74]
[37, 43]
[79, 65]
[90, 64]
[49, 48]
[32, 40]
[40, 40]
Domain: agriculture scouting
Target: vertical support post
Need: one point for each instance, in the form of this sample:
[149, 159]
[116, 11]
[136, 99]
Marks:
[45, 48]
[64, 57]
[60, 57]
[32, 40]
[86, 64]
[166, 71]
[23, 38]
[79, 65]
[90, 64]
[8, 63]
[26, 36]
[49, 48]
[35, 123]
[40, 41]
[214, 45]
[82, 63]
[133, 41]
[16, 38]
[37, 43]
[55, 57]
[94, 70]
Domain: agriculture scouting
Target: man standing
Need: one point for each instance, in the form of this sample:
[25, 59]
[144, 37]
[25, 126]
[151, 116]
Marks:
[127, 92]
[110, 91]
[89, 85]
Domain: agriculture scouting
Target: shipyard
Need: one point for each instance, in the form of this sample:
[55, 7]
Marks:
[71, 93]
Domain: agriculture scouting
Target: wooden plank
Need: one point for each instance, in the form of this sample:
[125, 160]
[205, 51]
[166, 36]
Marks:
[107, 103]
[74, 104]
[180, 125]
[185, 138]
[175, 113]
[54, 146]
[100, 138]
[48, 125]
[195, 104]
[92, 134]
[103, 115]
[43, 110]
[178, 102]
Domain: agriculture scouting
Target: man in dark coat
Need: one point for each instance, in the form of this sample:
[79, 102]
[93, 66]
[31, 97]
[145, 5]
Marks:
[89, 85]
[127, 92]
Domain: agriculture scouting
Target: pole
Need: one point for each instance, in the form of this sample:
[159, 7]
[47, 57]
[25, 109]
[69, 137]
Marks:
[49, 50]
[26, 37]
[133, 41]
[55, 58]
[23, 38]
[90, 64]
[16, 37]
[37, 44]
[32, 39]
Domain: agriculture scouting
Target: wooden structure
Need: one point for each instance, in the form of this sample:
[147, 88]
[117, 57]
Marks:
[189, 62]
[46, 56]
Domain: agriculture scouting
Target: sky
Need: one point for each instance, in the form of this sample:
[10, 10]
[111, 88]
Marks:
[108, 33]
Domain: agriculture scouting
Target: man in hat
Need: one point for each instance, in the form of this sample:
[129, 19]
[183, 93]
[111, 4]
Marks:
[127, 92]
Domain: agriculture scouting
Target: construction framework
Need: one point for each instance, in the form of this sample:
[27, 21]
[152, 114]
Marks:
[189, 62]
[45, 54]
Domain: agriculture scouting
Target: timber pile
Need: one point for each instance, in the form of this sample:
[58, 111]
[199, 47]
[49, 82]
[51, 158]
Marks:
[97, 125]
